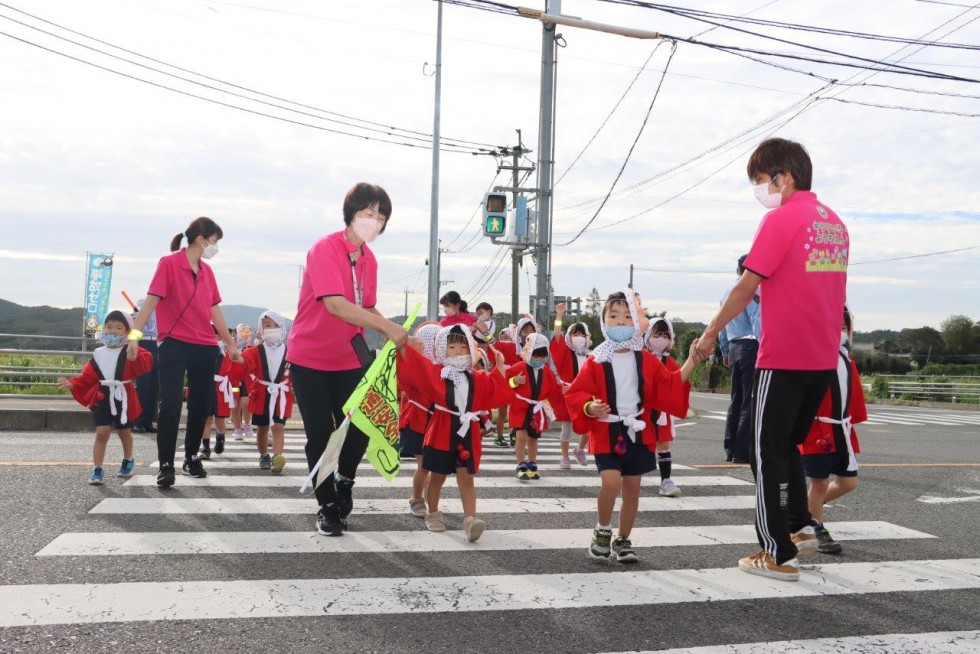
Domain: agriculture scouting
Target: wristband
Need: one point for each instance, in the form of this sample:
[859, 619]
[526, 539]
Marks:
[511, 383]
[585, 409]
[134, 335]
[558, 323]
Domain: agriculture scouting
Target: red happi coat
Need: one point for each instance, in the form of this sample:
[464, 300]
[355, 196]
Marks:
[565, 360]
[658, 389]
[487, 391]
[232, 374]
[821, 439]
[509, 350]
[665, 432]
[257, 367]
[87, 388]
[545, 388]
[409, 415]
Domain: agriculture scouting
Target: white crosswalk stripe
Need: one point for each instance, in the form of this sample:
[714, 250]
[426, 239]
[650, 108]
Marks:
[263, 515]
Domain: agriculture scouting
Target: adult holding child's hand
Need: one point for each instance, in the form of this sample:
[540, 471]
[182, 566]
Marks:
[185, 295]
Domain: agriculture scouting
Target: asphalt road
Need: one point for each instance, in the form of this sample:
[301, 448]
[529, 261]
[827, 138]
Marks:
[95, 569]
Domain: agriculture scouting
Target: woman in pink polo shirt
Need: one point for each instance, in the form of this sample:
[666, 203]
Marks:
[185, 296]
[456, 311]
[327, 351]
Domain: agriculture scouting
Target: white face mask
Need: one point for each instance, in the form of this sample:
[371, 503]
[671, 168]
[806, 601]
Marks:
[366, 229]
[210, 250]
[768, 200]
[462, 361]
[660, 344]
[272, 336]
[844, 338]
[579, 343]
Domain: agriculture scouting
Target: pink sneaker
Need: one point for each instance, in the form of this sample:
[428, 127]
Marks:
[239, 435]
[249, 431]
[581, 457]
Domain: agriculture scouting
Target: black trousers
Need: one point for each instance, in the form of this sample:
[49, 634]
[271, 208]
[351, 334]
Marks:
[784, 404]
[320, 396]
[741, 356]
[177, 359]
[148, 388]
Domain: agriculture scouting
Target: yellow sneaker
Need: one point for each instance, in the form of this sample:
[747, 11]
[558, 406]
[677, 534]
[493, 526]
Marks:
[278, 463]
[762, 564]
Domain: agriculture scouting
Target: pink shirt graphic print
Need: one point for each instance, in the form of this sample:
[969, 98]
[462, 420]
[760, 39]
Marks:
[801, 250]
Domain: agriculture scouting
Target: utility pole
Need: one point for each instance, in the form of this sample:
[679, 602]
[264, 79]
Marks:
[631, 276]
[542, 311]
[407, 292]
[516, 254]
[432, 308]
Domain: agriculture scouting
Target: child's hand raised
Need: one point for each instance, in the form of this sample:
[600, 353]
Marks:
[520, 380]
[560, 309]
[64, 383]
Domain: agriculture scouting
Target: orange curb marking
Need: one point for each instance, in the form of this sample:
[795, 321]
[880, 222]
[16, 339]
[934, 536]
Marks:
[863, 465]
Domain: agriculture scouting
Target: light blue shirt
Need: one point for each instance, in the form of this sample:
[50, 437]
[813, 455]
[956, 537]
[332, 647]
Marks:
[150, 329]
[746, 323]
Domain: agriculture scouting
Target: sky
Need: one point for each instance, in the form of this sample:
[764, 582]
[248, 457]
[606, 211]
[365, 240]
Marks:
[91, 160]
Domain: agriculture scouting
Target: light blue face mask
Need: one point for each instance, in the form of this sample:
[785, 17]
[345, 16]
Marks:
[620, 333]
[537, 363]
[113, 340]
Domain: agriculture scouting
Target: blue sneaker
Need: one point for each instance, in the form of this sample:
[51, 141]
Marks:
[265, 462]
[96, 478]
[127, 467]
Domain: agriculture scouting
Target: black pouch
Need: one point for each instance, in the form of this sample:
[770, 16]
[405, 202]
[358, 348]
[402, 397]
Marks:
[365, 355]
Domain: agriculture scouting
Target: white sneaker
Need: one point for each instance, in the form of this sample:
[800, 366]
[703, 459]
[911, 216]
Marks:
[580, 456]
[239, 435]
[565, 463]
[669, 489]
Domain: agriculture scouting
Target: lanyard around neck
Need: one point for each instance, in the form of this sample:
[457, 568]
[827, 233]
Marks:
[357, 287]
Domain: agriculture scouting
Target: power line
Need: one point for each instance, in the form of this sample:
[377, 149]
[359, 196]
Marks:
[639, 133]
[915, 256]
[396, 132]
[902, 108]
[475, 211]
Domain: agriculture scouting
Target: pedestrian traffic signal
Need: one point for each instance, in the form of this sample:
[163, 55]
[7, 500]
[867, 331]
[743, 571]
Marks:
[494, 214]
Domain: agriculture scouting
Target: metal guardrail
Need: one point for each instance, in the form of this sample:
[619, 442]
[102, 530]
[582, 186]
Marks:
[928, 387]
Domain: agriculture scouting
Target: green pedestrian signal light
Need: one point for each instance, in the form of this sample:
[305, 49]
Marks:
[494, 214]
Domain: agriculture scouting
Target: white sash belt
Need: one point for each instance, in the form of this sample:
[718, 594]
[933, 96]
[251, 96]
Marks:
[540, 410]
[465, 418]
[632, 423]
[224, 387]
[117, 392]
[852, 464]
[276, 391]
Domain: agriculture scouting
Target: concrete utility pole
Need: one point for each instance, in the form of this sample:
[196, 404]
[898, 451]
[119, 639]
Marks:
[516, 252]
[542, 311]
[432, 306]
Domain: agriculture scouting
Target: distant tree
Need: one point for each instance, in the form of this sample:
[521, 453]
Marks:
[959, 335]
[593, 304]
[886, 346]
[921, 340]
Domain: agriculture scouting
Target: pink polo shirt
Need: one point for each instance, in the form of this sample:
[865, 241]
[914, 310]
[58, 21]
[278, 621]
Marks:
[467, 319]
[184, 310]
[318, 339]
[801, 250]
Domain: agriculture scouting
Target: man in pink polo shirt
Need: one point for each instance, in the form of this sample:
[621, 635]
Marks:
[798, 263]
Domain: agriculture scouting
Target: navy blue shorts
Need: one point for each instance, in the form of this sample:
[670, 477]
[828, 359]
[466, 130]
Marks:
[442, 462]
[262, 420]
[410, 442]
[821, 466]
[638, 460]
[103, 417]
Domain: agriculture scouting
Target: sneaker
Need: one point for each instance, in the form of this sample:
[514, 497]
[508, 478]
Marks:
[265, 461]
[600, 543]
[762, 564]
[827, 544]
[806, 541]
[491, 432]
[127, 467]
[522, 472]
[434, 521]
[329, 522]
[278, 463]
[194, 468]
[622, 548]
[729, 456]
[565, 463]
[669, 489]
[249, 431]
[166, 477]
[205, 454]
[581, 457]
[513, 438]
[532, 470]
[417, 507]
[219, 444]
[239, 435]
[96, 478]
[500, 440]
[473, 528]
[345, 496]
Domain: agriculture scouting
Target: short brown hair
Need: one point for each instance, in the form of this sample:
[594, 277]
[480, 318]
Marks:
[364, 195]
[615, 298]
[774, 156]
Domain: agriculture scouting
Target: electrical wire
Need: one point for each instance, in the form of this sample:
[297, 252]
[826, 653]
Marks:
[372, 127]
[612, 187]
[902, 108]
[475, 211]
[915, 256]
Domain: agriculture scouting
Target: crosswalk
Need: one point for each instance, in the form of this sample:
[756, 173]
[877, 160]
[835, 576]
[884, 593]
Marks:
[883, 416]
[264, 515]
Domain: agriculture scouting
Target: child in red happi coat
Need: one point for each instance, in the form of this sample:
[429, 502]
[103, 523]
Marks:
[659, 339]
[415, 409]
[270, 393]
